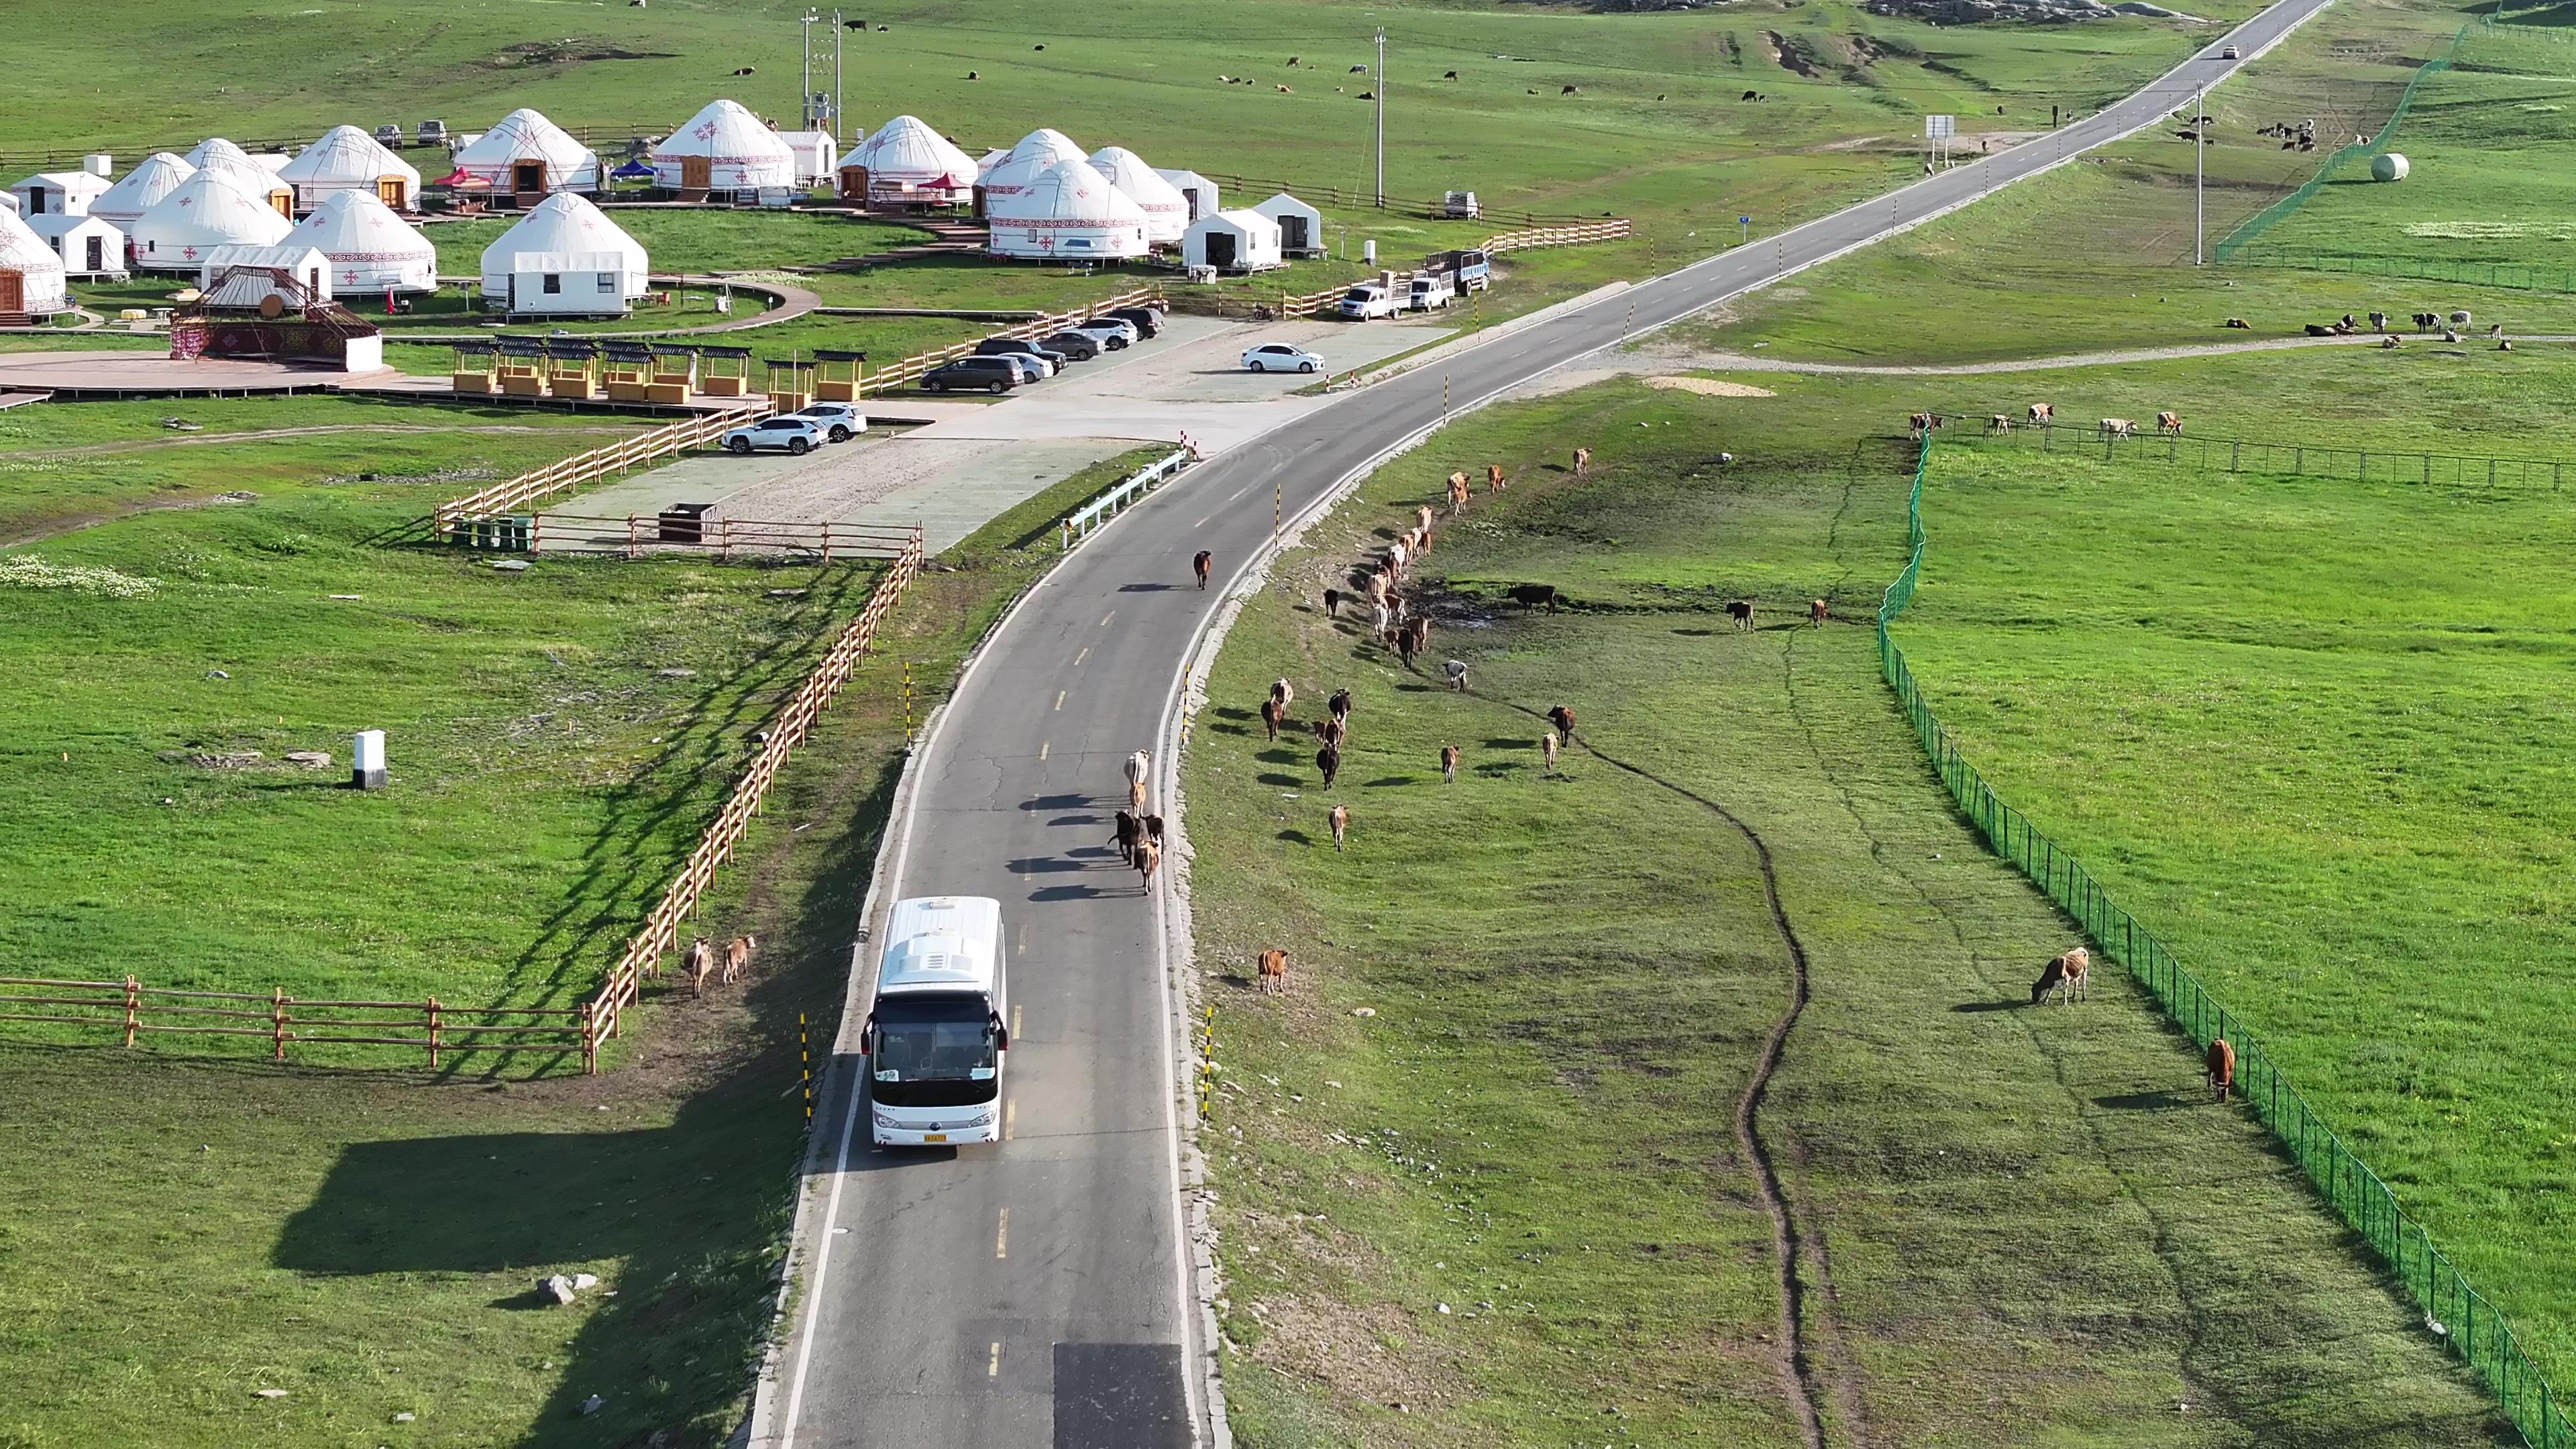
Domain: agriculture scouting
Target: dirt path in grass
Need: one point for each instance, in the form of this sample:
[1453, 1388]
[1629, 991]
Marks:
[1801, 1263]
[199, 440]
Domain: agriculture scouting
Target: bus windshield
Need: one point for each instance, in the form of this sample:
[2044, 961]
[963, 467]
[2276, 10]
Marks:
[935, 1049]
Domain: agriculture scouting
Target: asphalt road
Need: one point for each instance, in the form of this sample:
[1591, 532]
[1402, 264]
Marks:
[1036, 1292]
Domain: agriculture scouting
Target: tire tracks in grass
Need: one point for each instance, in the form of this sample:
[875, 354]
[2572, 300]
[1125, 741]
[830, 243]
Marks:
[1806, 1382]
[2196, 1317]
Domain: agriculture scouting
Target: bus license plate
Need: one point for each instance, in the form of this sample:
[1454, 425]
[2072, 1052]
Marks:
[934, 1136]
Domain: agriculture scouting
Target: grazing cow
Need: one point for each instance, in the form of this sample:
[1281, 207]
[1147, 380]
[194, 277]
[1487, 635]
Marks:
[1748, 95]
[1494, 478]
[1139, 766]
[1547, 747]
[1332, 603]
[1129, 829]
[2169, 424]
[1818, 612]
[1199, 565]
[1449, 75]
[2222, 1067]
[1449, 764]
[1284, 692]
[2068, 975]
[1341, 819]
[2042, 414]
[1329, 760]
[1917, 424]
[1271, 715]
[737, 954]
[2118, 428]
[700, 960]
[2240, 324]
[1582, 461]
[1148, 856]
[1563, 718]
[1530, 596]
[1741, 611]
[1571, 91]
[1283, 90]
[1274, 972]
[1999, 423]
[2390, 341]
[1340, 704]
[1457, 674]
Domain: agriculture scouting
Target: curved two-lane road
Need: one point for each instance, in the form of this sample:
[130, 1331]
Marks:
[1038, 1292]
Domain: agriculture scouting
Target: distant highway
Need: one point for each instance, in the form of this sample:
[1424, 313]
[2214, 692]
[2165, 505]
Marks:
[1038, 1292]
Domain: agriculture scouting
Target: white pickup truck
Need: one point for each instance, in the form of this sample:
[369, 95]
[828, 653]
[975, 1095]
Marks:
[1429, 292]
[1365, 301]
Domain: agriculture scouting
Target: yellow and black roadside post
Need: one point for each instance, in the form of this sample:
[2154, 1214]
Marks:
[805, 1066]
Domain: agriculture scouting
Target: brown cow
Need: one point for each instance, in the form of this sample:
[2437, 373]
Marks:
[2068, 975]
[1917, 424]
[1449, 764]
[1341, 819]
[737, 954]
[1329, 760]
[700, 960]
[1422, 515]
[1582, 461]
[1148, 856]
[1271, 715]
[1457, 493]
[1741, 611]
[2169, 424]
[1494, 481]
[1563, 718]
[1818, 612]
[1274, 972]
[2222, 1067]
[1200, 563]
[1330, 730]
[2042, 414]
[1332, 603]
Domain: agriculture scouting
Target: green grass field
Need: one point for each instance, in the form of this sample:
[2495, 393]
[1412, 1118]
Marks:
[1508, 1206]
[2309, 729]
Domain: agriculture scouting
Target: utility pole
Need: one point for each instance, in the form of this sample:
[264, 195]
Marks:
[1381, 117]
[2199, 170]
[805, 69]
[840, 32]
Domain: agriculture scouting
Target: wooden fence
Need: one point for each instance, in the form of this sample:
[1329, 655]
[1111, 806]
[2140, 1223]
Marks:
[637, 534]
[1582, 234]
[516, 493]
[603, 1013]
[130, 1009]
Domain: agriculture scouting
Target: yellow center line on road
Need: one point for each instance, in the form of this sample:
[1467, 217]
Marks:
[1015, 1023]
[1002, 1236]
[1010, 1118]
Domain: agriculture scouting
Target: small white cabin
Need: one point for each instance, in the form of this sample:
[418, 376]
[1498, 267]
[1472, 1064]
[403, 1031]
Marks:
[255, 271]
[91, 247]
[1301, 227]
[1233, 241]
[1195, 189]
[58, 193]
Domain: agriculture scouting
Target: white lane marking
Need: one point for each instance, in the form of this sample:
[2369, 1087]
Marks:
[1043, 747]
[1059, 697]
[993, 1366]
[822, 1262]
[1105, 618]
[1010, 1116]
[1078, 658]
[1002, 1236]
[1015, 1022]
[1202, 523]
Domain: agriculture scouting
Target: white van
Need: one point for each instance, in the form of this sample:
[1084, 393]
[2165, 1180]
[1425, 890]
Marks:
[1365, 301]
[939, 1030]
[1429, 292]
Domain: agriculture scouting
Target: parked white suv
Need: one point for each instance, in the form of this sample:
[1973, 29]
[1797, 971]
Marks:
[788, 431]
[1365, 301]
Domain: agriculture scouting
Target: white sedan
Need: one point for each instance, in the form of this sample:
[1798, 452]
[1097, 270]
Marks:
[1281, 357]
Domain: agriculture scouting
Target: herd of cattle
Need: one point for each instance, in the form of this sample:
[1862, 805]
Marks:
[2044, 415]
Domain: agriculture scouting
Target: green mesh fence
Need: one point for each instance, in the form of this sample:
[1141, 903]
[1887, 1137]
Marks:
[2262, 221]
[2466, 1321]
[2515, 276]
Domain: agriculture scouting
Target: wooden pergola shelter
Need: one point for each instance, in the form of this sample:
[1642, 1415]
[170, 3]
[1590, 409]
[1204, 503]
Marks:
[838, 375]
[475, 368]
[522, 366]
[626, 371]
[572, 368]
[790, 385]
[724, 371]
[675, 374]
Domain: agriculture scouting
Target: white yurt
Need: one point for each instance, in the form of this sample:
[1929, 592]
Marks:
[528, 155]
[31, 276]
[206, 211]
[217, 152]
[908, 161]
[723, 148]
[564, 258]
[1037, 152]
[372, 251]
[1232, 241]
[348, 159]
[1069, 212]
[244, 289]
[58, 193]
[156, 176]
[985, 163]
[91, 247]
[1195, 189]
[1167, 212]
[1301, 227]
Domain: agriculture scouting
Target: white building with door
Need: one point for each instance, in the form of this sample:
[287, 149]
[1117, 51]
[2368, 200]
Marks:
[818, 156]
[1233, 241]
[91, 247]
[1301, 227]
[154, 177]
[564, 259]
[241, 277]
[1195, 189]
[723, 148]
[31, 276]
[371, 250]
[528, 155]
[58, 193]
[348, 159]
[206, 211]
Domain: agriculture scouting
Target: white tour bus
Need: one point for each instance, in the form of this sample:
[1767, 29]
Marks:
[940, 1027]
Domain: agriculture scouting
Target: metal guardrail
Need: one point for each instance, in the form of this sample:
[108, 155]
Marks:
[1092, 516]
